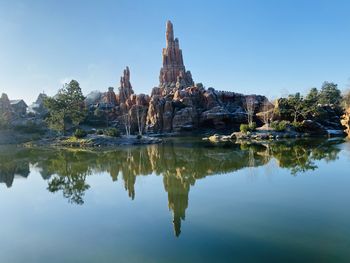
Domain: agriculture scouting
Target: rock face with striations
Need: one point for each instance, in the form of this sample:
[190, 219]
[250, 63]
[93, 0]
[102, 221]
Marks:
[173, 70]
[110, 97]
[125, 89]
[178, 104]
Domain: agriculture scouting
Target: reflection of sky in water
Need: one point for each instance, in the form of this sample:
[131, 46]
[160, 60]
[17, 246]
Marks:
[251, 214]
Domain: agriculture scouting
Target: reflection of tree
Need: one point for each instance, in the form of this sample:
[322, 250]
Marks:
[70, 174]
[73, 187]
[180, 164]
[300, 156]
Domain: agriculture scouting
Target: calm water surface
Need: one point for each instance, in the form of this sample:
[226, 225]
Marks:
[182, 201]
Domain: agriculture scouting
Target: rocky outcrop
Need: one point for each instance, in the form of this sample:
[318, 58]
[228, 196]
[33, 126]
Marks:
[313, 128]
[110, 97]
[345, 121]
[196, 107]
[178, 104]
[173, 71]
[125, 89]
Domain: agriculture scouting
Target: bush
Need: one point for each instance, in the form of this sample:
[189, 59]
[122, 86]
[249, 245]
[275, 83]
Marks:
[139, 137]
[279, 125]
[244, 128]
[252, 126]
[99, 132]
[112, 132]
[79, 133]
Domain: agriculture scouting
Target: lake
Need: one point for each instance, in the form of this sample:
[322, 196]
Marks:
[181, 201]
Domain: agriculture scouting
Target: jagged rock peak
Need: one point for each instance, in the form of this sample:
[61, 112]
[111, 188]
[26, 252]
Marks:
[173, 70]
[169, 33]
[125, 89]
[110, 97]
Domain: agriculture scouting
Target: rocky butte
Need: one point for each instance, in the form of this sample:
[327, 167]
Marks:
[177, 103]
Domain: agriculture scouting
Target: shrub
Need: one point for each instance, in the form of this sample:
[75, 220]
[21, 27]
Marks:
[139, 137]
[244, 128]
[279, 125]
[112, 132]
[99, 132]
[252, 126]
[79, 133]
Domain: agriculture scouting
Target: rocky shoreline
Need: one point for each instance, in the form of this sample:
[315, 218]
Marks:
[307, 129]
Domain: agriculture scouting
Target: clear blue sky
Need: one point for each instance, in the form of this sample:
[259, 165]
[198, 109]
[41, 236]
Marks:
[264, 47]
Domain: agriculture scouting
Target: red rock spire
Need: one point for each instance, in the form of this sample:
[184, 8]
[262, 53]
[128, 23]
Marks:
[169, 33]
[125, 89]
[173, 69]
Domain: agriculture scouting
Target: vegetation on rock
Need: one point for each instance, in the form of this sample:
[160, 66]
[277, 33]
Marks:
[279, 125]
[244, 128]
[112, 132]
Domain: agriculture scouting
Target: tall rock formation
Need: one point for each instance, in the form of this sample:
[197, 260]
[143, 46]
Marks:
[125, 89]
[110, 97]
[173, 71]
[177, 104]
[180, 105]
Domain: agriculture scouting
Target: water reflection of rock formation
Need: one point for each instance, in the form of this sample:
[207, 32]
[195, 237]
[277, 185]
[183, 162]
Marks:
[11, 166]
[180, 164]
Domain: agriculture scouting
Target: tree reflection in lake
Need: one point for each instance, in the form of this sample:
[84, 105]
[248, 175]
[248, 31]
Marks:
[180, 164]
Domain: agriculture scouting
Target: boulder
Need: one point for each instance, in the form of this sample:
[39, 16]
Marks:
[220, 138]
[313, 128]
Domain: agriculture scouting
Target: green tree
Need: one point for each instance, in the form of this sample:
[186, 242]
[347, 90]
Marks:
[312, 101]
[297, 107]
[330, 94]
[313, 95]
[67, 107]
